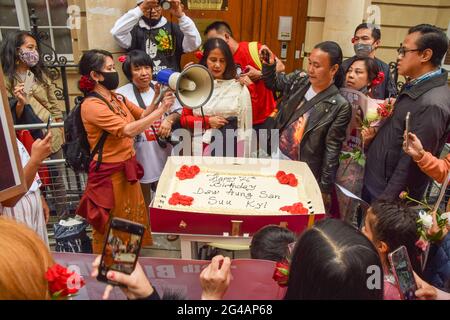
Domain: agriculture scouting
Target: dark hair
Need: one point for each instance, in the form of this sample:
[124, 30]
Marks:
[217, 43]
[335, 53]
[371, 66]
[432, 38]
[219, 26]
[331, 261]
[93, 60]
[9, 56]
[271, 243]
[396, 225]
[136, 58]
[376, 32]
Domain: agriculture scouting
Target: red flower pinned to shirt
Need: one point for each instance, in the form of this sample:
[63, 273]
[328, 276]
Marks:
[86, 84]
[281, 273]
[178, 199]
[296, 208]
[187, 172]
[199, 55]
[378, 80]
[62, 283]
[122, 59]
[288, 179]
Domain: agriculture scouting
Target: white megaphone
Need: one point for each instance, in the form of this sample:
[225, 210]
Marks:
[193, 87]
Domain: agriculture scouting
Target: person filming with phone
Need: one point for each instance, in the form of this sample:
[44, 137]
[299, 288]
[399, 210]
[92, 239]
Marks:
[145, 28]
[389, 170]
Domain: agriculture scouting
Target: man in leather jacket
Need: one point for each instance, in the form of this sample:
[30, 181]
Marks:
[313, 116]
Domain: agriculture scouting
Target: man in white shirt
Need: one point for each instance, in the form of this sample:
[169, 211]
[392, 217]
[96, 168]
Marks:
[144, 28]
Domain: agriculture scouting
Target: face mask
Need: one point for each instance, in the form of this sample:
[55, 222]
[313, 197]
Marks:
[362, 50]
[29, 57]
[111, 81]
[151, 22]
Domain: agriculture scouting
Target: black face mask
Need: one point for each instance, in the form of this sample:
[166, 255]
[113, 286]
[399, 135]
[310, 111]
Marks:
[151, 22]
[111, 81]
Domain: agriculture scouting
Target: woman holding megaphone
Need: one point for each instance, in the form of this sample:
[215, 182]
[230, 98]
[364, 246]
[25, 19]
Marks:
[229, 107]
[112, 189]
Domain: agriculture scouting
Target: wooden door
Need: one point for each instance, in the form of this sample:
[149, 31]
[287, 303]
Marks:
[257, 20]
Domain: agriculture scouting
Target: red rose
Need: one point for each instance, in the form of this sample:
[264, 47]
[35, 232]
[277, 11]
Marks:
[122, 59]
[281, 273]
[63, 283]
[187, 172]
[199, 55]
[378, 80]
[280, 174]
[86, 84]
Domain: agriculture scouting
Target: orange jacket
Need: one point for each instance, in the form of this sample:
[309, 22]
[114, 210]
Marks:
[435, 168]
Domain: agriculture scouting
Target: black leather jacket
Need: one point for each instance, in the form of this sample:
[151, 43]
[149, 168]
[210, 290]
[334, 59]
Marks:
[327, 124]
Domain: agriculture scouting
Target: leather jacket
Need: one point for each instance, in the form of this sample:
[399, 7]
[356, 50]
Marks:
[327, 125]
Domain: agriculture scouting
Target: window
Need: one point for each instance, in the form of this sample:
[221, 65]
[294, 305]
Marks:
[52, 16]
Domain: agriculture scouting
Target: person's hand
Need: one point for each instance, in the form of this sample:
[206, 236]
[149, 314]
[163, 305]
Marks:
[245, 80]
[165, 128]
[148, 4]
[41, 149]
[252, 73]
[46, 209]
[176, 8]
[368, 134]
[136, 284]
[326, 197]
[20, 95]
[271, 55]
[217, 122]
[215, 278]
[415, 149]
[424, 290]
[167, 102]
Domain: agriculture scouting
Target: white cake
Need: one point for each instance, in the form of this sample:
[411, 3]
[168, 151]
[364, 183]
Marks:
[221, 192]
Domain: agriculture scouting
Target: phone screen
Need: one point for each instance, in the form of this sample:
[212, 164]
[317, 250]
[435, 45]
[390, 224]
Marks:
[49, 121]
[408, 116]
[401, 267]
[121, 249]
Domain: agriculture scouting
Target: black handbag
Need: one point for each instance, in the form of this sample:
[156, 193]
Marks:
[71, 236]
[28, 117]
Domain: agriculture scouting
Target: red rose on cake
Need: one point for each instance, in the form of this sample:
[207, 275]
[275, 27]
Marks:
[287, 179]
[187, 172]
[297, 208]
[178, 199]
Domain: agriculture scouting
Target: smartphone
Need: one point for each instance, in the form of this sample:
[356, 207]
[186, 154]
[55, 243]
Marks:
[403, 272]
[121, 249]
[47, 129]
[408, 116]
[265, 55]
[28, 83]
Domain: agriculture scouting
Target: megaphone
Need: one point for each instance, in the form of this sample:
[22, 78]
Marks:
[193, 87]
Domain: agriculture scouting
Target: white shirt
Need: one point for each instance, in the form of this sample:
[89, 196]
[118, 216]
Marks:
[230, 99]
[123, 26]
[149, 154]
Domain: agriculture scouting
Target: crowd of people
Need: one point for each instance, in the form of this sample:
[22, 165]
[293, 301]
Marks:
[129, 130]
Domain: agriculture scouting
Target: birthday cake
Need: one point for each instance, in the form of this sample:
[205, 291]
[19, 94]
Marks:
[238, 188]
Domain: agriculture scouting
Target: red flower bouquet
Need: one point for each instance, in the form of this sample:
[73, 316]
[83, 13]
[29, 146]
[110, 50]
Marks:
[62, 283]
[379, 79]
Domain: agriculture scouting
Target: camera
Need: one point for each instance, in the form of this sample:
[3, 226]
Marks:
[164, 4]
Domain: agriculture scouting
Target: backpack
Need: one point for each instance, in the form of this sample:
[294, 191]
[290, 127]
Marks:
[76, 148]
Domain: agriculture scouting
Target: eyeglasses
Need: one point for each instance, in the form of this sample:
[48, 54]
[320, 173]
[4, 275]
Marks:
[402, 51]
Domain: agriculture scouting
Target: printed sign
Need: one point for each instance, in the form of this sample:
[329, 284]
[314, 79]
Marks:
[251, 279]
[217, 5]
